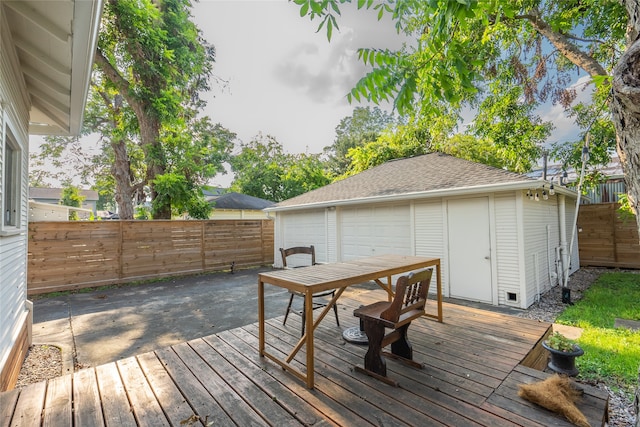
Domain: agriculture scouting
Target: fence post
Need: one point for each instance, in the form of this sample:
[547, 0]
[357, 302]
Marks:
[120, 252]
[203, 261]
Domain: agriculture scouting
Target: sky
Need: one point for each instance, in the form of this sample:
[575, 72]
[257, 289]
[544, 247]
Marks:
[282, 77]
[278, 76]
[275, 75]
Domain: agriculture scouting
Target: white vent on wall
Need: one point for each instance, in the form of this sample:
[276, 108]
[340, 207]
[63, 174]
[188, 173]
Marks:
[512, 298]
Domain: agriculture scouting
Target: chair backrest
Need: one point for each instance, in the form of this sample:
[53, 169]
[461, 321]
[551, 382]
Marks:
[411, 295]
[306, 250]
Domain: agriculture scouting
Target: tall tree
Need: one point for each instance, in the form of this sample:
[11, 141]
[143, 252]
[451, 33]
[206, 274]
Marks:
[157, 60]
[262, 169]
[364, 125]
[461, 46]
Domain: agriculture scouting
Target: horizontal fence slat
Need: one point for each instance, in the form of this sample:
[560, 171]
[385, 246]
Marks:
[605, 239]
[74, 255]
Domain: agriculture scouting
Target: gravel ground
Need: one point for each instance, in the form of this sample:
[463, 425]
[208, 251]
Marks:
[44, 361]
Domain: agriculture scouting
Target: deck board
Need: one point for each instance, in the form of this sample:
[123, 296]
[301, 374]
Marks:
[57, 408]
[470, 376]
[115, 404]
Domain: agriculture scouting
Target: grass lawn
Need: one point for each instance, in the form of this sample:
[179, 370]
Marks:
[611, 355]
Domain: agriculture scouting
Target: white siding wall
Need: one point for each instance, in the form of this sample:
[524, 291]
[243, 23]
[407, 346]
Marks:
[430, 232]
[508, 249]
[301, 229]
[541, 238]
[332, 235]
[13, 245]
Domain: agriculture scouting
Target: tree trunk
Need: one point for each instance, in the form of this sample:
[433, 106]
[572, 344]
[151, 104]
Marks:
[625, 108]
[121, 173]
[149, 130]
[636, 401]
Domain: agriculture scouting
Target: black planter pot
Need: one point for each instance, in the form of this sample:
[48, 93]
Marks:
[563, 362]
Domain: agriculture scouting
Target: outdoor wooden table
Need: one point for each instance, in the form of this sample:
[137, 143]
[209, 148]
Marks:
[322, 277]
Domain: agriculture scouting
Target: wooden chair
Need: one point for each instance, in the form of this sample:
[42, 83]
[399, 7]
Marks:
[407, 305]
[310, 250]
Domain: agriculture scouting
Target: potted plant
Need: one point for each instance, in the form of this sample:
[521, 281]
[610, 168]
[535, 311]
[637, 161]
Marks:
[563, 354]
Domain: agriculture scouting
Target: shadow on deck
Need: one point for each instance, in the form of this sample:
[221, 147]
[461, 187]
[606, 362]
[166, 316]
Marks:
[473, 363]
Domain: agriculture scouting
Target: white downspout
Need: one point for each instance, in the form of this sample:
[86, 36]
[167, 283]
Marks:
[562, 213]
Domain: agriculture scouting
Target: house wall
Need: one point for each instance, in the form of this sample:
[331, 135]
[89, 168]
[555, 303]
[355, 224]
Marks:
[237, 214]
[14, 315]
[541, 239]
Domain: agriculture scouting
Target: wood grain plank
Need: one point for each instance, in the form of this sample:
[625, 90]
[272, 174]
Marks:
[232, 403]
[146, 408]
[28, 409]
[115, 403]
[8, 402]
[87, 410]
[58, 402]
[266, 405]
[332, 409]
[202, 403]
[171, 399]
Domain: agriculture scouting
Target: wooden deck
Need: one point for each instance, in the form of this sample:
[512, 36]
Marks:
[472, 368]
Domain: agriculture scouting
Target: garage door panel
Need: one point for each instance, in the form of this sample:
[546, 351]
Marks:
[369, 231]
[304, 229]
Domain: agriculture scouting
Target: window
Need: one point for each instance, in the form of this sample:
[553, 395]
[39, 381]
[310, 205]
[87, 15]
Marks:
[11, 180]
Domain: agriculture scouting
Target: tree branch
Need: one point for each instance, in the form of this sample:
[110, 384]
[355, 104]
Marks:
[563, 44]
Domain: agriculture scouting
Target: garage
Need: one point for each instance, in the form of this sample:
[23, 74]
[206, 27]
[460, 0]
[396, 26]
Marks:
[497, 243]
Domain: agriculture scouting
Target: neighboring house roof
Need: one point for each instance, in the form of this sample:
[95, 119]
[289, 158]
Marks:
[434, 174]
[241, 201]
[612, 170]
[212, 193]
[39, 193]
[55, 42]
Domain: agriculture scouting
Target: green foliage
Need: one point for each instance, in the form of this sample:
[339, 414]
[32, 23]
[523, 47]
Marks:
[363, 126]
[610, 353]
[142, 212]
[559, 342]
[262, 169]
[477, 150]
[183, 197]
[70, 196]
[492, 56]
[405, 141]
[624, 211]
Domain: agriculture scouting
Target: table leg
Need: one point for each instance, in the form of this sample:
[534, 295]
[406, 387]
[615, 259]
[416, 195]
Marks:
[439, 290]
[261, 317]
[308, 300]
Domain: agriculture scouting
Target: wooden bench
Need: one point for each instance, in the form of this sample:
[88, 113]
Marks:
[407, 305]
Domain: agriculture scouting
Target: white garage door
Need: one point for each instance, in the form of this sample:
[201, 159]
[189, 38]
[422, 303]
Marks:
[369, 231]
[304, 229]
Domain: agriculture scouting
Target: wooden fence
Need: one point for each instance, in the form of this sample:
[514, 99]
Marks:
[77, 254]
[606, 240]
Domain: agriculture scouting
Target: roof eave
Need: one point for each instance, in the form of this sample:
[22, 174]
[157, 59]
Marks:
[86, 24]
[448, 192]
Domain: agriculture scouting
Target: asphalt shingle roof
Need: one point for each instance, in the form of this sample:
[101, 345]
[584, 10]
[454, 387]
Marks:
[241, 201]
[55, 193]
[429, 172]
